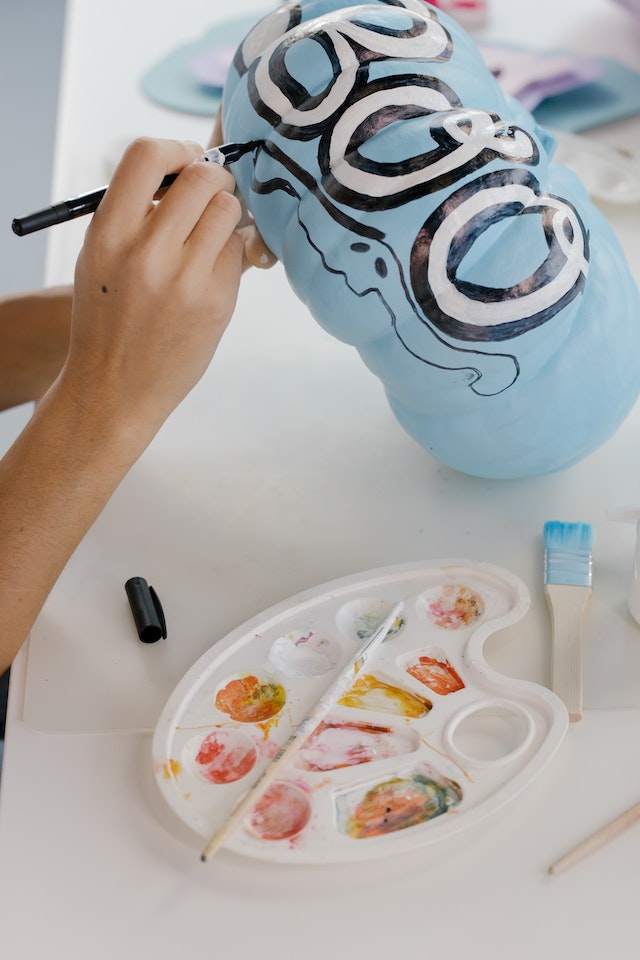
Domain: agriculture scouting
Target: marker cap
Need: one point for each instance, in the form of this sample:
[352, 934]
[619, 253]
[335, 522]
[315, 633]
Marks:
[146, 609]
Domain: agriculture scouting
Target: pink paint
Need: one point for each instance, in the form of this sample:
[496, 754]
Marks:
[281, 813]
[456, 606]
[303, 639]
[343, 744]
[226, 755]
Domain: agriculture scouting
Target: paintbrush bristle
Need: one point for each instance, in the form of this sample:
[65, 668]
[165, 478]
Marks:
[567, 553]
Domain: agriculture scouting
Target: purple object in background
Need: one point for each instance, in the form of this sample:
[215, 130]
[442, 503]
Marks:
[632, 5]
[211, 67]
[531, 76]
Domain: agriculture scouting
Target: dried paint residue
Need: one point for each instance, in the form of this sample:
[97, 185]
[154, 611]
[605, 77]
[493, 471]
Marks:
[250, 701]
[281, 813]
[226, 756]
[171, 769]
[439, 675]
[365, 625]
[456, 606]
[335, 745]
[300, 654]
[400, 802]
[369, 693]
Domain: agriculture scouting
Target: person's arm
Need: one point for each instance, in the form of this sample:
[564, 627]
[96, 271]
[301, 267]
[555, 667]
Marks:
[34, 337]
[154, 290]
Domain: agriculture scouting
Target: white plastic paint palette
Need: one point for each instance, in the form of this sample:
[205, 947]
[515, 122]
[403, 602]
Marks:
[428, 740]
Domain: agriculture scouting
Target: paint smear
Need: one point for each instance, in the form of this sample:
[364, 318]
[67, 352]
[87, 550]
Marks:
[226, 756]
[366, 624]
[250, 701]
[397, 803]
[369, 693]
[437, 674]
[455, 606]
[335, 745]
[171, 769]
[302, 653]
[360, 618]
[281, 813]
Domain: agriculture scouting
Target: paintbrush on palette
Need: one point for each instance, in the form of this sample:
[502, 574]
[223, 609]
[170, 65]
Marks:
[303, 731]
[567, 578]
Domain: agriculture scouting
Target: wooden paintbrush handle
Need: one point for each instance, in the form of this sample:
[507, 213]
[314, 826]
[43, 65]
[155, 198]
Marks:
[567, 604]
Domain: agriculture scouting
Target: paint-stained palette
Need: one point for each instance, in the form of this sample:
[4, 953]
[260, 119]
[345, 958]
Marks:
[428, 739]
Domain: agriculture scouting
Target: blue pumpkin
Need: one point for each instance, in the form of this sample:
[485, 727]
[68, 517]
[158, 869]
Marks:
[418, 214]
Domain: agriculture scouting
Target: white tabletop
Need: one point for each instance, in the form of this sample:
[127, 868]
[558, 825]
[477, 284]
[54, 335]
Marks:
[282, 470]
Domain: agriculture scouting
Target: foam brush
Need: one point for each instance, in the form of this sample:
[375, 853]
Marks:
[567, 578]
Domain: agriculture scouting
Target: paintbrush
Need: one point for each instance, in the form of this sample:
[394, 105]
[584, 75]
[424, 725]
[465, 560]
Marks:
[598, 839]
[302, 732]
[567, 577]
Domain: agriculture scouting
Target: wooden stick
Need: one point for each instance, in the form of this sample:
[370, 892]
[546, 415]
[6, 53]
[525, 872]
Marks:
[302, 732]
[597, 839]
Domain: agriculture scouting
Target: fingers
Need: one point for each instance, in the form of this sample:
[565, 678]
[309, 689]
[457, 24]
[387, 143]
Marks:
[138, 176]
[226, 277]
[256, 252]
[213, 230]
[185, 202]
[198, 209]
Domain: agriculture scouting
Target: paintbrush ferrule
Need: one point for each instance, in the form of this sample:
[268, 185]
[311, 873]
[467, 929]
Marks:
[568, 553]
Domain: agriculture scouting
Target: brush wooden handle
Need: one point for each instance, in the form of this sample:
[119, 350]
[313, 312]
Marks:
[567, 604]
[598, 839]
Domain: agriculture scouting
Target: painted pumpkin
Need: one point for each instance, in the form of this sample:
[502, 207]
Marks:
[417, 213]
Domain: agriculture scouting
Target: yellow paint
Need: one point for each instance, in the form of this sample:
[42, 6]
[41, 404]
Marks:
[266, 726]
[447, 757]
[369, 693]
[171, 769]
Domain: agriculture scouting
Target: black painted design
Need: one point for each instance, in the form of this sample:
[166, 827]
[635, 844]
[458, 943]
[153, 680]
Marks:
[348, 109]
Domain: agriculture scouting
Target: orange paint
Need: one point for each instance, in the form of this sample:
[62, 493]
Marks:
[171, 769]
[439, 675]
[250, 701]
[369, 693]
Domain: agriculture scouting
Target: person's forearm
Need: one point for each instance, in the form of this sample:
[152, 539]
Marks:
[54, 481]
[34, 333]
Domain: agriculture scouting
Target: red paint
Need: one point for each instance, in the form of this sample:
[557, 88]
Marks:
[281, 813]
[225, 756]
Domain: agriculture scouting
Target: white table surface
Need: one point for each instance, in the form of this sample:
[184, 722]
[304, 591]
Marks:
[282, 470]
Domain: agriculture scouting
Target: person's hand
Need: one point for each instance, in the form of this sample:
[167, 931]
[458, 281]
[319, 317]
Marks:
[155, 284]
[256, 252]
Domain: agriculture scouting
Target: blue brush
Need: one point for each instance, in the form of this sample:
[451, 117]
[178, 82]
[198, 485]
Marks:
[567, 578]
